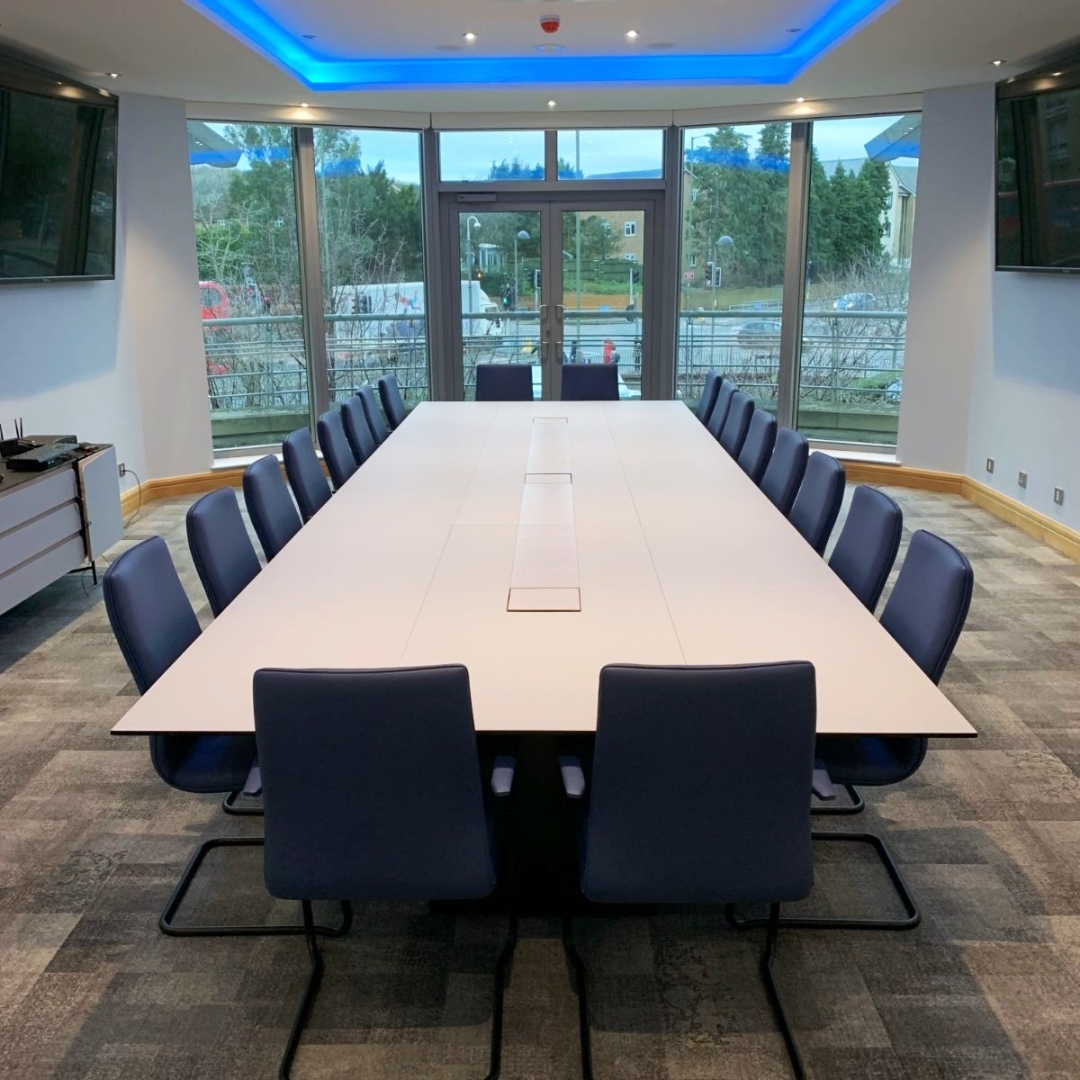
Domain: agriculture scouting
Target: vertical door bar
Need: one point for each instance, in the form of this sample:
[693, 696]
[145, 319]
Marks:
[668, 265]
[437, 256]
[311, 287]
[551, 293]
[794, 303]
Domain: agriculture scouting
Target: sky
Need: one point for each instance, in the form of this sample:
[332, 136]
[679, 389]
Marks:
[469, 155]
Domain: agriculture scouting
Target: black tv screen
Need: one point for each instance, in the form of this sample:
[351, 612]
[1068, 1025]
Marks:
[1038, 174]
[57, 178]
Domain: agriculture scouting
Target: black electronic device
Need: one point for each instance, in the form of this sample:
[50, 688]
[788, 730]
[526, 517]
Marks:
[1038, 169]
[41, 458]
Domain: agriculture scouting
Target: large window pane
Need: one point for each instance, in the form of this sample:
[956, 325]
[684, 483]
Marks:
[861, 217]
[611, 155]
[735, 204]
[249, 281]
[491, 155]
[371, 245]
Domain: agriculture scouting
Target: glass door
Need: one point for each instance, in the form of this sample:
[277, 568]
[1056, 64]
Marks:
[548, 282]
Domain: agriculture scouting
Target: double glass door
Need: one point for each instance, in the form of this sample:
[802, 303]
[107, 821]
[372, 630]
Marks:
[548, 283]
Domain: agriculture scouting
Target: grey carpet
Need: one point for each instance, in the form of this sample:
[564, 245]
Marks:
[988, 833]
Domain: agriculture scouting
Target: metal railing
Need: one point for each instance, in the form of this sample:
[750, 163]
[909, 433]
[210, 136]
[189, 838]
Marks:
[256, 365]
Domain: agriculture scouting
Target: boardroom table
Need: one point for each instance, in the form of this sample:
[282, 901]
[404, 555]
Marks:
[535, 542]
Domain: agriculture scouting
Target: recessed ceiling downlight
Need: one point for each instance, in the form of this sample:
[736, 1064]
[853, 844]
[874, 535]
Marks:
[661, 45]
[549, 47]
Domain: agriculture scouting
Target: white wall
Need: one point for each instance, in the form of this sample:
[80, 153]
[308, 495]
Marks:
[121, 361]
[949, 309]
[1025, 410]
[160, 328]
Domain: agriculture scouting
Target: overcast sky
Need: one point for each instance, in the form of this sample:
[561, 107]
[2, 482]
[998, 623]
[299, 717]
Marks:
[469, 155]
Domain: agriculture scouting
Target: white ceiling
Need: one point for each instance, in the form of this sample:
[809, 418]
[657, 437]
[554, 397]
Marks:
[167, 48]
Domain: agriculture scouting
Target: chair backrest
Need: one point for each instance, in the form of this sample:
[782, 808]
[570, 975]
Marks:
[737, 424]
[336, 446]
[504, 382]
[392, 402]
[704, 409]
[817, 505]
[758, 447]
[868, 543]
[221, 549]
[371, 784]
[715, 423]
[379, 431]
[305, 474]
[590, 382]
[929, 603]
[154, 624]
[357, 429]
[784, 473]
[270, 505]
[149, 612]
[700, 785]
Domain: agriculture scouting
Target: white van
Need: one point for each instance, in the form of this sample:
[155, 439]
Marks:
[399, 309]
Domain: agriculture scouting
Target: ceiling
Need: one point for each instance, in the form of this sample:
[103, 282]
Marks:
[722, 52]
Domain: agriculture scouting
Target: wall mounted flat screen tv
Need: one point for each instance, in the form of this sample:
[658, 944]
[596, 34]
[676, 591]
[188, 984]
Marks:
[57, 178]
[1038, 172]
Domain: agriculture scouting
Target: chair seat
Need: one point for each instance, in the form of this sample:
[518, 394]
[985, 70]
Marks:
[870, 761]
[204, 764]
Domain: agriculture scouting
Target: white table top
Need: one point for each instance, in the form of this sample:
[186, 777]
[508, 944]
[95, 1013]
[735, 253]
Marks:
[680, 560]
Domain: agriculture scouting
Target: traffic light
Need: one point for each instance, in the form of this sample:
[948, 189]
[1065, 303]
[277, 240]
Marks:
[635, 276]
[536, 280]
[709, 268]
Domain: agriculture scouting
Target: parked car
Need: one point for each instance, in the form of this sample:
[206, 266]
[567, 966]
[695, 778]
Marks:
[893, 392]
[214, 301]
[855, 301]
[759, 334]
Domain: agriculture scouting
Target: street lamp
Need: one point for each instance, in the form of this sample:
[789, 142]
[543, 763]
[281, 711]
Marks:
[469, 221]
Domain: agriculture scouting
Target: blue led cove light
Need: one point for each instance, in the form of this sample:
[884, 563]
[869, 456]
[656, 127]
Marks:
[246, 20]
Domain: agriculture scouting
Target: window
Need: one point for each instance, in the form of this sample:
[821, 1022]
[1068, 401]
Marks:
[367, 186]
[249, 280]
[491, 155]
[611, 155]
[735, 203]
[629, 228]
[851, 371]
[629, 256]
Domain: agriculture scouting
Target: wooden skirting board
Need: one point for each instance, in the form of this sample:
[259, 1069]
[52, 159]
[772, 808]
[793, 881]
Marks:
[1043, 528]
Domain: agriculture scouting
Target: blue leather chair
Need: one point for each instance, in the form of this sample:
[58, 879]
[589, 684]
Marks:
[925, 613]
[154, 624]
[305, 474]
[866, 549]
[221, 548]
[699, 794]
[818, 503]
[269, 505]
[379, 431]
[357, 429]
[373, 791]
[590, 382]
[504, 382]
[754, 457]
[336, 449]
[392, 401]
[718, 416]
[704, 409]
[785, 470]
[737, 424]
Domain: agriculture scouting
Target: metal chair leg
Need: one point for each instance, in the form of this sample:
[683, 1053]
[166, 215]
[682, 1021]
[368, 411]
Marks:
[857, 805]
[229, 805]
[775, 999]
[303, 1013]
[771, 988]
[168, 927]
[911, 919]
[583, 1002]
[497, 1005]
[310, 990]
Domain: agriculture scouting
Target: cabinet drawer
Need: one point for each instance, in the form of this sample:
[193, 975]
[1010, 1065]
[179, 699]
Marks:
[20, 544]
[36, 497]
[17, 585]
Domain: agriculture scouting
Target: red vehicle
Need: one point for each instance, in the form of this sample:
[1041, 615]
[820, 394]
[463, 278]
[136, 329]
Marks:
[215, 304]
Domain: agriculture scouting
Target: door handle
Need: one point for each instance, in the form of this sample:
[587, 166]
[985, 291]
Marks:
[560, 313]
